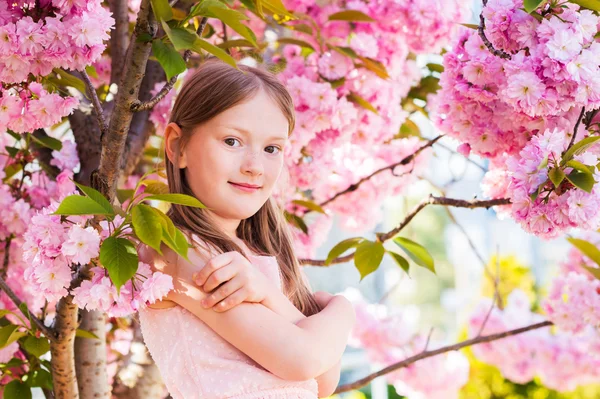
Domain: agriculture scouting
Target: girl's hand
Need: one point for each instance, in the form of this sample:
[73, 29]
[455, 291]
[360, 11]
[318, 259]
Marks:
[231, 279]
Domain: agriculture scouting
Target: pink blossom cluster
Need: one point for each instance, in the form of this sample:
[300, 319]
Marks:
[389, 336]
[24, 108]
[70, 35]
[561, 361]
[573, 301]
[472, 107]
[99, 293]
[556, 210]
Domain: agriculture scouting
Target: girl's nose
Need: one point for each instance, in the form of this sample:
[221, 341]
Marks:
[252, 164]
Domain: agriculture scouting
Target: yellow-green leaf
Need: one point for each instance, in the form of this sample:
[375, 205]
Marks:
[297, 42]
[201, 44]
[368, 256]
[351, 15]
[400, 260]
[342, 247]
[589, 4]
[310, 205]
[162, 10]
[180, 199]
[147, 225]
[356, 99]
[587, 248]
[416, 252]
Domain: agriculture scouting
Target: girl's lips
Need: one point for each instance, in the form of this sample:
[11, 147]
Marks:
[245, 188]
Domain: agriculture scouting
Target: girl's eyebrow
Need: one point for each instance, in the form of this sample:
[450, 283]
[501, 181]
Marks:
[247, 133]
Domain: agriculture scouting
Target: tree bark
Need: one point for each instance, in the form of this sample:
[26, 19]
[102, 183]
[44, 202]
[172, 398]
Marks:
[62, 350]
[90, 357]
[113, 144]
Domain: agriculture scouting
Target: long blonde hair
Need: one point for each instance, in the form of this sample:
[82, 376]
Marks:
[213, 88]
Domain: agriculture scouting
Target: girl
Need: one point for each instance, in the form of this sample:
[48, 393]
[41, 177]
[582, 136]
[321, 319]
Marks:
[240, 322]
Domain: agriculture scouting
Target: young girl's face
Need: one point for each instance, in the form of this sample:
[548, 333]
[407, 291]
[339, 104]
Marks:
[234, 160]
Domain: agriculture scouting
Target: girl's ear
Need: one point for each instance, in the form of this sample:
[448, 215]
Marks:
[173, 149]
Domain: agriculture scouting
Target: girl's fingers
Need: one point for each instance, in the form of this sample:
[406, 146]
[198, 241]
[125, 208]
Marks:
[231, 301]
[223, 292]
[211, 266]
[219, 277]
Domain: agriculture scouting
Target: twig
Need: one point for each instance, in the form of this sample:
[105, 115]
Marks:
[426, 354]
[49, 333]
[6, 257]
[227, 49]
[488, 44]
[138, 105]
[581, 114]
[95, 102]
[431, 200]
[494, 299]
[406, 160]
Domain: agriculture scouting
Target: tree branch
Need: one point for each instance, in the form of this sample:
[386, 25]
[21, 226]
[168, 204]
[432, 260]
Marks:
[137, 105]
[425, 354]
[431, 200]
[488, 44]
[405, 161]
[113, 143]
[581, 114]
[95, 102]
[119, 39]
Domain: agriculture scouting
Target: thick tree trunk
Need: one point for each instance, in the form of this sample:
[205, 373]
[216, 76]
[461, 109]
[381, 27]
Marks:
[113, 144]
[90, 357]
[63, 354]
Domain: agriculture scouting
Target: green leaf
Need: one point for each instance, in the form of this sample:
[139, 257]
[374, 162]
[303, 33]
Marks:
[232, 18]
[147, 225]
[276, 7]
[400, 260]
[310, 205]
[593, 5]
[124, 195]
[167, 223]
[342, 247]
[16, 136]
[179, 244]
[587, 248]
[409, 129]
[470, 26]
[578, 148]
[9, 334]
[97, 197]
[36, 346]
[532, 5]
[296, 221]
[40, 378]
[120, 258]
[580, 166]
[556, 176]
[81, 333]
[297, 42]
[356, 99]
[17, 389]
[169, 58]
[375, 66]
[427, 85]
[235, 43]
[181, 38]
[583, 180]
[155, 187]
[66, 79]
[80, 205]
[368, 256]
[351, 15]
[11, 170]
[144, 38]
[4, 312]
[47, 141]
[180, 199]
[202, 44]
[435, 67]
[347, 51]
[162, 10]
[12, 151]
[416, 252]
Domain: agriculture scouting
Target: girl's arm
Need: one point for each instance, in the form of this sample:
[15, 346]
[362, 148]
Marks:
[291, 351]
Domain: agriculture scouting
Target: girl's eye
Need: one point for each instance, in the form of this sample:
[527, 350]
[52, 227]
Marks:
[231, 142]
[272, 149]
